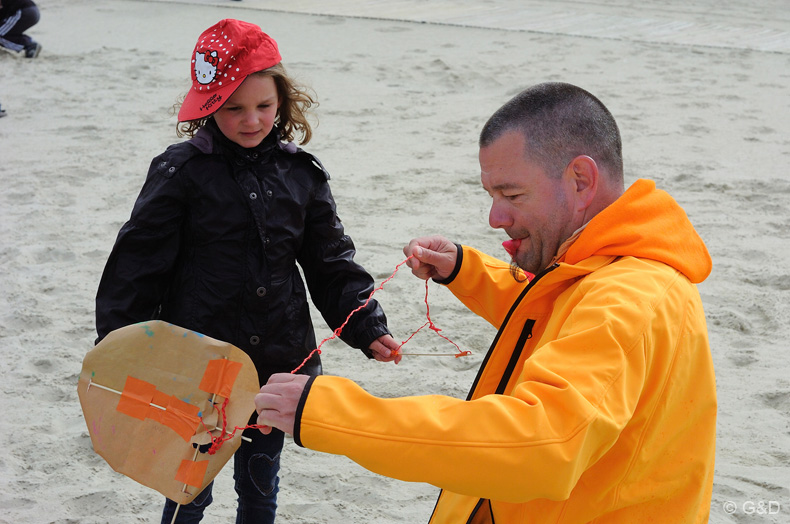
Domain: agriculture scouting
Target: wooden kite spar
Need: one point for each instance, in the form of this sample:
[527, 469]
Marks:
[154, 395]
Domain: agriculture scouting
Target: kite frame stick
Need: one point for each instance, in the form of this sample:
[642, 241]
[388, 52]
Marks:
[194, 457]
[215, 428]
[456, 355]
[92, 383]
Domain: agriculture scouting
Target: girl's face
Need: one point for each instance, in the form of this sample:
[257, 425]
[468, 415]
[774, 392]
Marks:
[248, 115]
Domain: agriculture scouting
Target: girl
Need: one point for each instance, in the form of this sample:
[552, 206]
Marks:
[216, 232]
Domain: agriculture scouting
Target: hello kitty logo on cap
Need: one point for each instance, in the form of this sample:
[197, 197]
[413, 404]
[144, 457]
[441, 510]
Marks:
[224, 55]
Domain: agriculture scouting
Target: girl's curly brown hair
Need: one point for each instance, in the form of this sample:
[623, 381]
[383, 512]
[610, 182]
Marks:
[295, 101]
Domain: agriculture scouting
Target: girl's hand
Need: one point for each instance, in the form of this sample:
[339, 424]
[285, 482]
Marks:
[385, 349]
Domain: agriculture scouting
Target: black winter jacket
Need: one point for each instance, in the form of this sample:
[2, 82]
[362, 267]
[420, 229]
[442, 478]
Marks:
[212, 246]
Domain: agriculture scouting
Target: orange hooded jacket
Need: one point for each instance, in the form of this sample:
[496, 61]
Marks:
[596, 402]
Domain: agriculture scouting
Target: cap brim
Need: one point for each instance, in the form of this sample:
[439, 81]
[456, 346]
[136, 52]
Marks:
[201, 104]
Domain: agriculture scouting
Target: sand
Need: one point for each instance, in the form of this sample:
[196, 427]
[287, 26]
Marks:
[706, 117]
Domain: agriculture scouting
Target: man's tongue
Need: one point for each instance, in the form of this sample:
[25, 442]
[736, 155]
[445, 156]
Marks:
[511, 246]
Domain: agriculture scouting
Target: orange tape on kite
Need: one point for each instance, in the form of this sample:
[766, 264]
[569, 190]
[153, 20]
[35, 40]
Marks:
[136, 398]
[219, 377]
[182, 418]
[141, 400]
[191, 473]
[158, 413]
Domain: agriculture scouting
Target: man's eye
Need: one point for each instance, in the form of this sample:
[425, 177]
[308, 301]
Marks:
[513, 197]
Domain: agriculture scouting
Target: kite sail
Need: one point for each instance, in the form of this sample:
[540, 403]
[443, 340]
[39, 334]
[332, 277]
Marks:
[162, 404]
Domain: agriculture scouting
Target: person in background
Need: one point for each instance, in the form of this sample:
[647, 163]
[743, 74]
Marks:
[16, 17]
[220, 229]
[597, 399]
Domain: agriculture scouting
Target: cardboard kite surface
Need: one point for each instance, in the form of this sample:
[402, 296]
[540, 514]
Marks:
[151, 395]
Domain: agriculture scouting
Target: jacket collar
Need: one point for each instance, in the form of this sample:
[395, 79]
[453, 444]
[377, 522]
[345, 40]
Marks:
[567, 245]
[209, 139]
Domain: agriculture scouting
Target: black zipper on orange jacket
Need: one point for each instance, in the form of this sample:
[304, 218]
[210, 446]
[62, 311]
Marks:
[520, 343]
[526, 334]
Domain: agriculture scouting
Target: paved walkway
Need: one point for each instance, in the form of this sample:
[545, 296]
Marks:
[760, 25]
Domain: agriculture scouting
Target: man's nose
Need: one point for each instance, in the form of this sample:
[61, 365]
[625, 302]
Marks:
[498, 217]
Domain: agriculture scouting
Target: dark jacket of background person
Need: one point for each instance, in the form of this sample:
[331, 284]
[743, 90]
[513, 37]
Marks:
[16, 17]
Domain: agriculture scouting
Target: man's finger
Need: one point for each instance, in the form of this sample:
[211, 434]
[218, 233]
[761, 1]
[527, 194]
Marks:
[269, 398]
[281, 378]
[263, 428]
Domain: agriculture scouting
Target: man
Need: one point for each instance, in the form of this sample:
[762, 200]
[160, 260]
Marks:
[596, 401]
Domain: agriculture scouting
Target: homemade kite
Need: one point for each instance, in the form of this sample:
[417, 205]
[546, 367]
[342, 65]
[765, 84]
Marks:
[163, 403]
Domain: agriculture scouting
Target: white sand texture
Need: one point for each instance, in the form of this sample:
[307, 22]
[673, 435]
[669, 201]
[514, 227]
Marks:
[699, 88]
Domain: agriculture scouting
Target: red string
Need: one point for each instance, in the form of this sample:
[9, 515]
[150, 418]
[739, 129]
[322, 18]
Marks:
[339, 330]
[431, 326]
[217, 442]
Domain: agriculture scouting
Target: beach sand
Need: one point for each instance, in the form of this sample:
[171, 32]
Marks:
[402, 103]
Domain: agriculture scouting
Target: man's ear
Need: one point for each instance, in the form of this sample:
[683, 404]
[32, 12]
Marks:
[582, 173]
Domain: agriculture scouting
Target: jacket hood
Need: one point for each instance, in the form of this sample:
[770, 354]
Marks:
[645, 222]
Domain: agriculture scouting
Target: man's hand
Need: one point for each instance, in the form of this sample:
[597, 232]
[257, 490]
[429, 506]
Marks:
[385, 349]
[434, 257]
[277, 401]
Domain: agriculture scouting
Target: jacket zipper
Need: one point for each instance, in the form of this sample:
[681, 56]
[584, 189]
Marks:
[526, 334]
[504, 323]
[478, 506]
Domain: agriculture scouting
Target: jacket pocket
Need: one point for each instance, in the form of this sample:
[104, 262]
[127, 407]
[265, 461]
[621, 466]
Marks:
[526, 334]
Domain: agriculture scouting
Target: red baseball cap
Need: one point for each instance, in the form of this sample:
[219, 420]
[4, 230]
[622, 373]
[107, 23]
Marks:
[224, 55]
